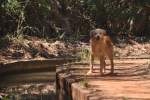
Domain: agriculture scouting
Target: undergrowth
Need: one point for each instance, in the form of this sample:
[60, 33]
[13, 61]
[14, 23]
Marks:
[11, 39]
[84, 54]
[84, 82]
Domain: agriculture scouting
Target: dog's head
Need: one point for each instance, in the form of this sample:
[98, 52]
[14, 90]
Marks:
[96, 34]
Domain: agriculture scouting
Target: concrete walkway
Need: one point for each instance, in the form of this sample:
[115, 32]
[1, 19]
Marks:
[131, 81]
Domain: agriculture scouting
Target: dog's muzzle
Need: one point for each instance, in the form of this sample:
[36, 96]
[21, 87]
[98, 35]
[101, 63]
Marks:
[97, 37]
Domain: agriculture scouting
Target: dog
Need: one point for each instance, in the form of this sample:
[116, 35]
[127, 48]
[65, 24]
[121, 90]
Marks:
[101, 46]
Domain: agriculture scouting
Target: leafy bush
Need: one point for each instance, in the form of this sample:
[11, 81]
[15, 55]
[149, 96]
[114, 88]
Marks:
[55, 18]
[84, 54]
[12, 7]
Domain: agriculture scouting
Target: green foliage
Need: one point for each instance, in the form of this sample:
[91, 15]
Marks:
[21, 17]
[18, 39]
[10, 38]
[5, 98]
[52, 18]
[84, 82]
[4, 42]
[84, 54]
[124, 98]
[45, 5]
[12, 7]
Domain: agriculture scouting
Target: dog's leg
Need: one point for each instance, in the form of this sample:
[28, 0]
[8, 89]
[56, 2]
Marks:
[112, 65]
[91, 64]
[110, 55]
[102, 65]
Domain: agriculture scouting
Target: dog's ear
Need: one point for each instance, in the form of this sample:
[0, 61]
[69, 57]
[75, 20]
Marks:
[92, 33]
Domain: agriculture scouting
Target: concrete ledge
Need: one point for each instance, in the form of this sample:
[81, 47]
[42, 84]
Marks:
[25, 78]
[27, 65]
[79, 93]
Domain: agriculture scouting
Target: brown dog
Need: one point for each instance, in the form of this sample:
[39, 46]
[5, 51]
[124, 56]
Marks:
[101, 47]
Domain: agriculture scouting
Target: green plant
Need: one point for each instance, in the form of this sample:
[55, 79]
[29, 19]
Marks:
[148, 68]
[12, 7]
[4, 41]
[10, 38]
[16, 11]
[84, 82]
[5, 98]
[124, 98]
[84, 54]
[17, 39]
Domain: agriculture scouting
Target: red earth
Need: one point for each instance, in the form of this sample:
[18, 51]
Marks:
[131, 81]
